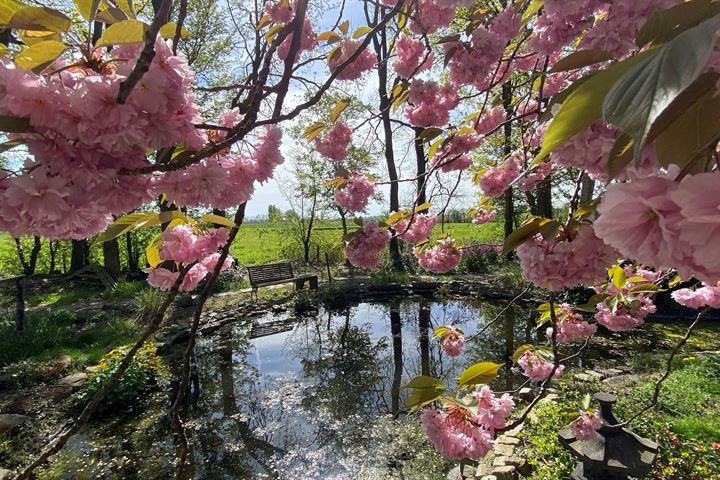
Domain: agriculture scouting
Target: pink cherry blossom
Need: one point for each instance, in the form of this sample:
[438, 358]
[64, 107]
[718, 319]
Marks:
[537, 369]
[161, 278]
[452, 156]
[440, 258]
[484, 216]
[588, 150]
[411, 57]
[307, 42]
[705, 296]
[456, 434]
[578, 258]
[355, 193]
[364, 62]
[279, 12]
[496, 180]
[178, 244]
[572, 326]
[430, 16]
[193, 277]
[366, 245]
[586, 426]
[430, 103]
[334, 144]
[625, 316]
[493, 411]
[210, 262]
[535, 176]
[420, 228]
[452, 341]
[490, 121]
[641, 220]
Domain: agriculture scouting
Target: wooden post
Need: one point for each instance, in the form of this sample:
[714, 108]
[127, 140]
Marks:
[327, 264]
[20, 303]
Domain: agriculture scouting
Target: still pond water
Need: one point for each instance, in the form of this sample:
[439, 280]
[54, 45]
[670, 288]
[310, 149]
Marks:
[320, 399]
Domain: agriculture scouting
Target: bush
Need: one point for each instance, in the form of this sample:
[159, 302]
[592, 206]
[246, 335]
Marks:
[230, 280]
[145, 370]
[147, 303]
[480, 259]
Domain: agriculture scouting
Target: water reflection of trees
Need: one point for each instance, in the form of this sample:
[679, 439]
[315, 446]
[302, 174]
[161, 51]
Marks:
[351, 366]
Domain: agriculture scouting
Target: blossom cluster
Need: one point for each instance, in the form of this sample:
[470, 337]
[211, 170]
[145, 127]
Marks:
[440, 258]
[585, 427]
[418, 228]
[453, 155]
[82, 136]
[334, 144]
[484, 216]
[412, 58]
[430, 103]
[664, 223]
[355, 193]
[364, 61]
[576, 258]
[452, 341]
[571, 326]
[364, 249]
[704, 296]
[496, 180]
[536, 368]
[182, 246]
[457, 433]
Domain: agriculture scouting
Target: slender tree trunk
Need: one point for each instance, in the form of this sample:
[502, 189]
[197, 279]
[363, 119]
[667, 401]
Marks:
[396, 331]
[532, 203]
[307, 233]
[28, 265]
[79, 256]
[544, 198]
[380, 44]
[53, 247]
[586, 189]
[421, 164]
[424, 338]
[111, 257]
[133, 260]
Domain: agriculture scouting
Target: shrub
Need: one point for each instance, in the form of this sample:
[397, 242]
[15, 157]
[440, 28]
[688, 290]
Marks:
[147, 303]
[480, 259]
[145, 370]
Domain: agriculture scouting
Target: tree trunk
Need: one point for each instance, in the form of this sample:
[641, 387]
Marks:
[79, 256]
[424, 338]
[380, 44]
[30, 265]
[111, 257]
[53, 246]
[544, 198]
[421, 164]
[343, 220]
[507, 150]
[133, 260]
[587, 188]
[307, 235]
[396, 332]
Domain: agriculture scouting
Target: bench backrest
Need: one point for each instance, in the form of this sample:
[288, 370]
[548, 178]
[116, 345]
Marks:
[270, 272]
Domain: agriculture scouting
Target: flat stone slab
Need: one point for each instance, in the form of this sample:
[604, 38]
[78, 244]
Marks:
[11, 422]
[76, 380]
[507, 472]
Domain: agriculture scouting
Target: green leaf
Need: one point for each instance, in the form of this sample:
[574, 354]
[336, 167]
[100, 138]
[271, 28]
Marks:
[125, 32]
[313, 130]
[664, 25]
[585, 401]
[526, 231]
[39, 18]
[264, 21]
[430, 133]
[422, 207]
[521, 350]
[675, 281]
[620, 155]
[482, 372]
[422, 397]
[638, 98]
[532, 9]
[14, 125]
[152, 251]
[8, 9]
[273, 31]
[617, 276]
[645, 288]
[330, 37]
[126, 6]
[339, 107]
[584, 105]
[218, 220]
[168, 31]
[440, 332]
[580, 59]
[134, 221]
[424, 381]
[362, 31]
[696, 129]
[111, 15]
[87, 8]
[39, 54]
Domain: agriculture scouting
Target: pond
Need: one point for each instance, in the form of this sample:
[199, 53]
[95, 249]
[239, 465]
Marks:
[317, 396]
[319, 399]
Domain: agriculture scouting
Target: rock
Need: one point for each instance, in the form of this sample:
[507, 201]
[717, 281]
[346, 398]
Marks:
[507, 440]
[6, 474]
[11, 422]
[526, 393]
[594, 375]
[624, 378]
[76, 380]
[278, 309]
[488, 477]
[551, 397]
[507, 472]
[583, 377]
[520, 464]
[56, 366]
[454, 474]
[504, 450]
[515, 431]
[500, 461]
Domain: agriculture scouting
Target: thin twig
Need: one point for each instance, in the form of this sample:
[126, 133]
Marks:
[497, 317]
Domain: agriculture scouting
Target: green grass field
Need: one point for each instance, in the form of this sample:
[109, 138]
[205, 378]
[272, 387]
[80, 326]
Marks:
[259, 243]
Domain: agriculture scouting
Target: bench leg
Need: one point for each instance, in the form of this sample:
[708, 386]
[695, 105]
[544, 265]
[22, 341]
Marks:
[314, 283]
[299, 284]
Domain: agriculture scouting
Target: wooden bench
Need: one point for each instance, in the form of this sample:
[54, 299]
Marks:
[277, 273]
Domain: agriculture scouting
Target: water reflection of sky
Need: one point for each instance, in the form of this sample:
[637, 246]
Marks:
[320, 401]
